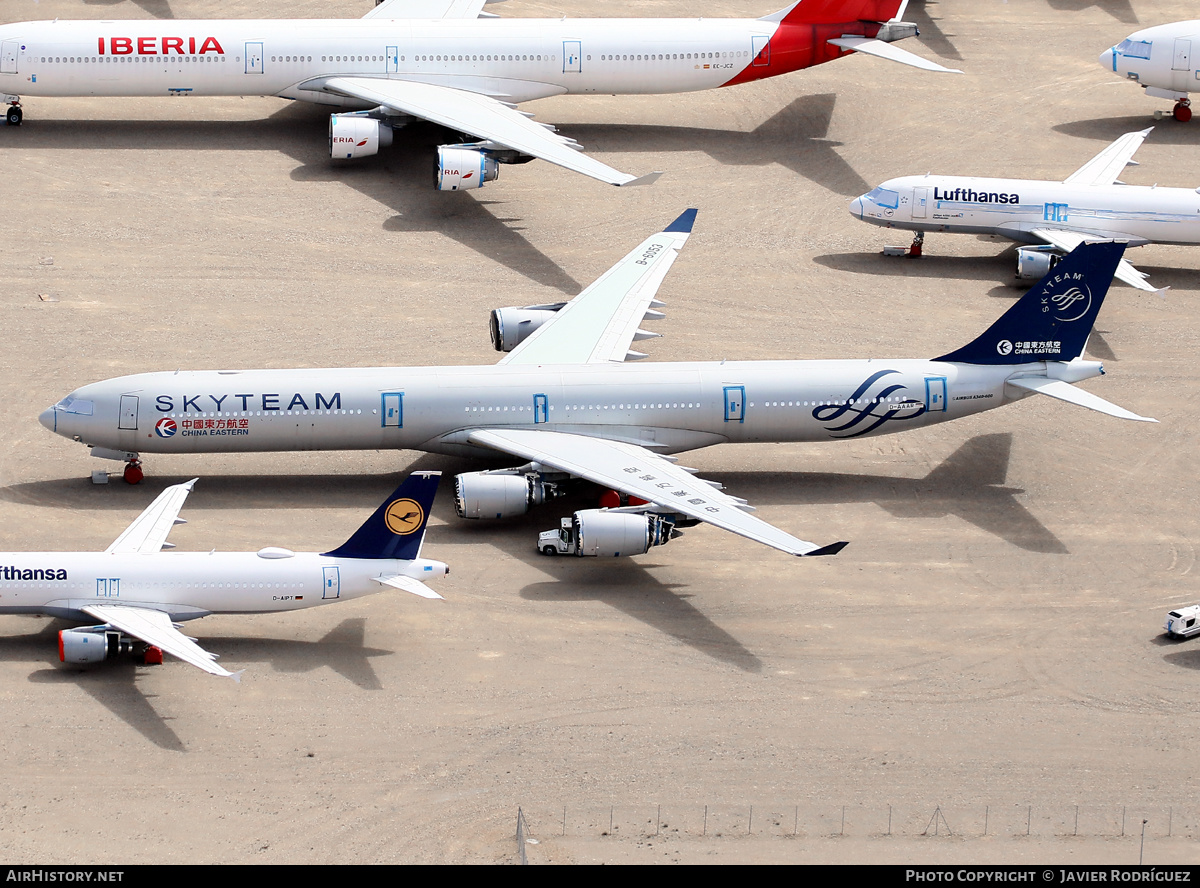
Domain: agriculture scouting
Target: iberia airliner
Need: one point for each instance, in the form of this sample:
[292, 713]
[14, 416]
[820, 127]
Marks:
[445, 61]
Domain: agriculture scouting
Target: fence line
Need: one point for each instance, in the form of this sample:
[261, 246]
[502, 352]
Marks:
[932, 820]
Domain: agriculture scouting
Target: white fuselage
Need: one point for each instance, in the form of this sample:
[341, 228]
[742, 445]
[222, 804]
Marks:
[1013, 207]
[515, 60]
[188, 585]
[668, 407]
[1164, 59]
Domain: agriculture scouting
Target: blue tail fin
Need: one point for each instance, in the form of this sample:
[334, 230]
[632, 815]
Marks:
[397, 528]
[1053, 320]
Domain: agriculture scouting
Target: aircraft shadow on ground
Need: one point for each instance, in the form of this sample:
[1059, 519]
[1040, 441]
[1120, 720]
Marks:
[978, 268]
[1121, 10]
[962, 268]
[969, 484]
[160, 9]
[794, 138]
[400, 178]
[1108, 129]
[932, 34]
[114, 685]
[1188, 658]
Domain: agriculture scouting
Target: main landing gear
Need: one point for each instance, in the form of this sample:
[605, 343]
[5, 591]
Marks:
[14, 115]
[1183, 110]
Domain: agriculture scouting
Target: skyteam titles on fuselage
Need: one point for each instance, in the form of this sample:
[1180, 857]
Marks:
[268, 402]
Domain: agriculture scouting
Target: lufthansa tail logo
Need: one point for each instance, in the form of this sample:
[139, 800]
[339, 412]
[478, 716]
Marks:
[403, 516]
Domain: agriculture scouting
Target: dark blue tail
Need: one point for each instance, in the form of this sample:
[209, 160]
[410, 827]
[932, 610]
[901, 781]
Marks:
[1053, 320]
[397, 528]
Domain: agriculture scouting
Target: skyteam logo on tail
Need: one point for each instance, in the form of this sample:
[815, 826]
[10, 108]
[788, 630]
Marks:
[403, 516]
[1072, 304]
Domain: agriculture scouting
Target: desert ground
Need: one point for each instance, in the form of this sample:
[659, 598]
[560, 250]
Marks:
[980, 676]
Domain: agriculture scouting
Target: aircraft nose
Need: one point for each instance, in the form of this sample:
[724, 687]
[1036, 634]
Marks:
[49, 418]
[1108, 58]
[856, 207]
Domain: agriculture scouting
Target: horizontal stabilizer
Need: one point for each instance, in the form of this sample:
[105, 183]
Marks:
[891, 52]
[1064, 391]
[408, 584]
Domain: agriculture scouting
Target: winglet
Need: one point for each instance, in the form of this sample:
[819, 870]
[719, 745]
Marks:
[648, 179]
[237, 676]
[831, 549]
[683, 225]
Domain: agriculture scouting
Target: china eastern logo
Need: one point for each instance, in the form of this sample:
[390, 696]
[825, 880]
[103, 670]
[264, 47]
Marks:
[166, 428]
[404, 516]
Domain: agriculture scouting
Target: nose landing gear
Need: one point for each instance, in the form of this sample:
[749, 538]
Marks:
[14, 115]
[133, 472]
[1183, 110]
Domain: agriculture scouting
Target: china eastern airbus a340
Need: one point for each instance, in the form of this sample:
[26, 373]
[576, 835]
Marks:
[139, 594]
[1091, 204]
[439, 60]
[567, 402]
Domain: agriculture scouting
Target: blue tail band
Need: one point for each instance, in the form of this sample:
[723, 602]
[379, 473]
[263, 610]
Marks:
[397, 528]
[1053, 320]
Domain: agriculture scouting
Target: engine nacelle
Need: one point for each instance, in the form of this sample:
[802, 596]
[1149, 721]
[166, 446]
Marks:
[599, 532]
[459, 168]
[1034, 263]
[511, 326]
[353, 135]
[497, 494]
[93, 645]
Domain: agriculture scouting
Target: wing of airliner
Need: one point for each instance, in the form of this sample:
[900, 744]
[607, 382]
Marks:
[1105, 167]
[481, 116]
[1067, 240]
[155, 627]
[596, 327]
[600, 323]
[148, 532]
[636, 471]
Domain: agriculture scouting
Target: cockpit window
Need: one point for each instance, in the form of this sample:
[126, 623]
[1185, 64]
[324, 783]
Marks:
[884, 197]
[1134, 49]
[71, 404]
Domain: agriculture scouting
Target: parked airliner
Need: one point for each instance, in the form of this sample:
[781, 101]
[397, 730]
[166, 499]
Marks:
[1090, 204]
[1163, 60]
[139, 594]
[439, 60]
[564, 400]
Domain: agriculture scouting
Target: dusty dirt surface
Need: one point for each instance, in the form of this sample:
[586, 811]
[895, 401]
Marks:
[981, 674]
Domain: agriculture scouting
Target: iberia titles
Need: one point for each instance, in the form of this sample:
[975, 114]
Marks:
[158, 46]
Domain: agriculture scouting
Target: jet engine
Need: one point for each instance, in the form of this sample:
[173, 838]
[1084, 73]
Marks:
[459, 168]
[612, 534]
[511, 326]
[92, 645]
[353, 135]
[498, 494]
[1034, 263]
